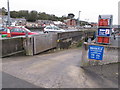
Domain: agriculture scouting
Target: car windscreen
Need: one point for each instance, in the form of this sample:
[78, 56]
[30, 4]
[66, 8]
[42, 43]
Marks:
[27, 30]
[48, 27]
[56, 28]
[3, 29]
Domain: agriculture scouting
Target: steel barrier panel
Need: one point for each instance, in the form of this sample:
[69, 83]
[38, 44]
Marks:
[44, 42]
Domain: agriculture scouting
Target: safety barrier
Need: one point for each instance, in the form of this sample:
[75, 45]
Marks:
[32, 45]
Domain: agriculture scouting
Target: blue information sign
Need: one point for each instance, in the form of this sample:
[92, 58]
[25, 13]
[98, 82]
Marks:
[103, 31]
[95, 52]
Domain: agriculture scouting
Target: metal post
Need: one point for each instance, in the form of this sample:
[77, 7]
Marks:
[79, 19]
[8, 13]
[87, 21]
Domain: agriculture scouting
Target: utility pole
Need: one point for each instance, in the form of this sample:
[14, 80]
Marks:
[87, 21]
[8, 13]
[79, 19]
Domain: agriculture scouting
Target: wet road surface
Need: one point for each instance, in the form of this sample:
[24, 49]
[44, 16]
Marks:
[54, 70]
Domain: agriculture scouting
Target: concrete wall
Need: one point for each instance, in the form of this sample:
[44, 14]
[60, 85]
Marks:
[107, 68]
[36, 44]
[28, 45]
[110, 55]
[0, 48]
[11, 46]
[66, 39]
[39, 43]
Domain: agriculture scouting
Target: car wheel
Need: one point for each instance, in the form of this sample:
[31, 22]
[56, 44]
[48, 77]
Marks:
[45, 32]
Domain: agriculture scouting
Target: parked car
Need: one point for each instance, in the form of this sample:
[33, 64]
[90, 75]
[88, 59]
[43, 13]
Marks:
[3, 30]
[17, 31]
[52, 28]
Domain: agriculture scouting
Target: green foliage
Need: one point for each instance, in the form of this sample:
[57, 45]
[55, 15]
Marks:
[44, 16]
[80, 44]
[14, 14]
[32, 16]
[4, 11]
[23, 13]
[71, 15]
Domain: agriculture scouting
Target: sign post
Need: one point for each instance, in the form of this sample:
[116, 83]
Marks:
[104, 29]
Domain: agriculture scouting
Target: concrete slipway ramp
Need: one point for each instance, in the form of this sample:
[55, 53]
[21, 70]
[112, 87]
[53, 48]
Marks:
[56, 70]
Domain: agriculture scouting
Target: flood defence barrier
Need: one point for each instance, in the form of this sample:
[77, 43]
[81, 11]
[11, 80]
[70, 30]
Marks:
[10, 46]
[36, 44]
[40, 43]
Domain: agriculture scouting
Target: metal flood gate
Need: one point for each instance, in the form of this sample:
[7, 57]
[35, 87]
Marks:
[44, 42]
[40, 43]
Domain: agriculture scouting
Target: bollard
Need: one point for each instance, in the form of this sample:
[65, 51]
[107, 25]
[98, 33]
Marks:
[8, 33]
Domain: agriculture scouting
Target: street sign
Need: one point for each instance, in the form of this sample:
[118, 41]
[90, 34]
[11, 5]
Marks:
[104, 40]
[104, 31]
[95, 52]
[105, 20]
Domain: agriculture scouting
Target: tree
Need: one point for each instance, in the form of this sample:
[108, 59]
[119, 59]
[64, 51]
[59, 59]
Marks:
[64, 17]
[23, 13]
[71, 15]
[14, 14]
[32, 17]
[43, 16]
[4, 11]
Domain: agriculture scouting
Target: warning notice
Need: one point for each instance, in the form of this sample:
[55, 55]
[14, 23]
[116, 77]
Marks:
[95, 52]
[103, 32]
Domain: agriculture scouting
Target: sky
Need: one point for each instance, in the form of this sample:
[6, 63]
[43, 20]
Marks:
[90, 9]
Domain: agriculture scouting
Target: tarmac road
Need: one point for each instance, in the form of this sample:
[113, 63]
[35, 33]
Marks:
[54, 70]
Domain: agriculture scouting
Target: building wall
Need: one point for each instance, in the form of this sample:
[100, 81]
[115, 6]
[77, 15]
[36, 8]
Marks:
[71, 23]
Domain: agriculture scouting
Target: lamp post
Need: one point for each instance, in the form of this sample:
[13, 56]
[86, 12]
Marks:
[79, 19]
[8, 12]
